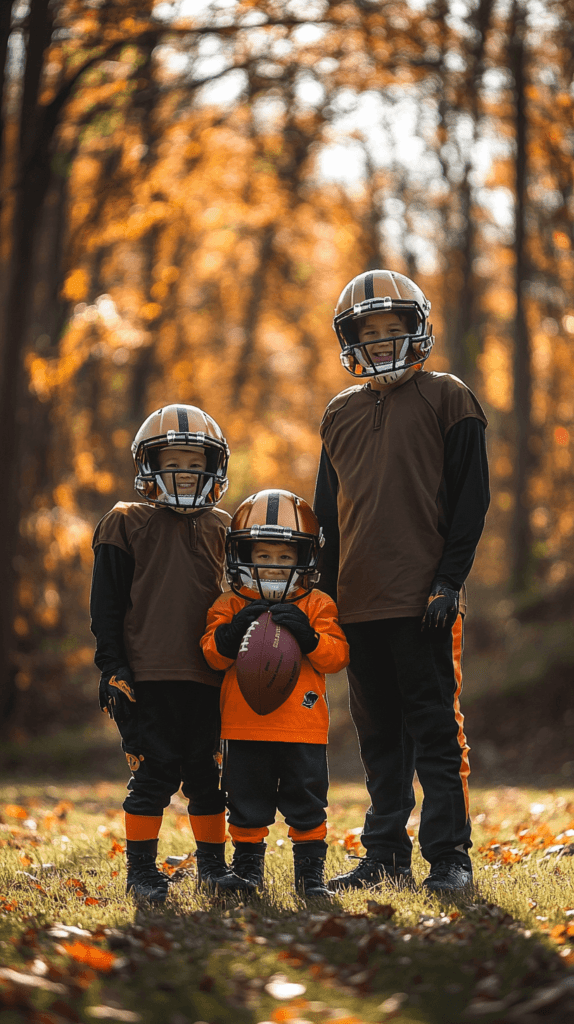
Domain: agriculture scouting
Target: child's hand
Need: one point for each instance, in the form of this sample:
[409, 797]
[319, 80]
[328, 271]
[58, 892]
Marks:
[442, 607]
[229, 635]
[116, 689]
[295, 620]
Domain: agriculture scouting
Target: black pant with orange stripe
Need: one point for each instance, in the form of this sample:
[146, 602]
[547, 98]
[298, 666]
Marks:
[404, 696]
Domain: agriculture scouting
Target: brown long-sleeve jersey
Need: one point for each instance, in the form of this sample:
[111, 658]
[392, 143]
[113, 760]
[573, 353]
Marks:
[392, 505]
[150, 604]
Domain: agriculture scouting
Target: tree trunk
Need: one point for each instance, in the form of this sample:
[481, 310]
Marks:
[521, 528]
[32, 180]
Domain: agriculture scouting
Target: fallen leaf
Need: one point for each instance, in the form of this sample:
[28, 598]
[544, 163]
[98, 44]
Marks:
[92, 956]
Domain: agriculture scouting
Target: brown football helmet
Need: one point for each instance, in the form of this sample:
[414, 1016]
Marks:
[180, 426]
[273, 516]
[381, 291]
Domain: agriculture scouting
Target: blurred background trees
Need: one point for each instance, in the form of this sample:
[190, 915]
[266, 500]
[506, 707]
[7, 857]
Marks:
[185, 190]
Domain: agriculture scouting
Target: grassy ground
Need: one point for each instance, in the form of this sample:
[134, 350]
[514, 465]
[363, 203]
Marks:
[73, 947]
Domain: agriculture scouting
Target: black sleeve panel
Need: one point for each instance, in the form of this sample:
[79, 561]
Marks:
[466, 480]
[325, 506]
[109, 600]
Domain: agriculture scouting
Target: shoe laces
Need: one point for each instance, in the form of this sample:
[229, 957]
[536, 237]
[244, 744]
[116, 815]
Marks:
[146, 869]
[443, 869]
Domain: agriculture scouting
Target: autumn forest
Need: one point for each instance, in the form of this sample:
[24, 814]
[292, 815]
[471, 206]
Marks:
[185, 190]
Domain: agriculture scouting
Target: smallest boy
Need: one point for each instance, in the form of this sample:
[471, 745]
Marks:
[276, 761]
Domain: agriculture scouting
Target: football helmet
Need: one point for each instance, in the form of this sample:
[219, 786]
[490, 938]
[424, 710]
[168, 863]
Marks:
[279, 516]
[381, 291]
[183, 426]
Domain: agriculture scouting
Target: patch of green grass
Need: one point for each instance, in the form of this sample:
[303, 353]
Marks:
[363, 957]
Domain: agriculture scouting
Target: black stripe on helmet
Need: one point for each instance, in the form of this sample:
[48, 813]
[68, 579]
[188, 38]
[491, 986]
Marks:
[182, 420]
[369, 290]
[272, 509]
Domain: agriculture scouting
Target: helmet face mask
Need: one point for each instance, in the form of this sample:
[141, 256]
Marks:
[383, 291]
[170, 427]
[273, 517]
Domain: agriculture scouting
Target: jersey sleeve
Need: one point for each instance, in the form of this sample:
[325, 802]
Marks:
[109, 599]
[332, 652]
[467, 487]
[112, 529]
[220, 612]
[325, 507]
[459, 403]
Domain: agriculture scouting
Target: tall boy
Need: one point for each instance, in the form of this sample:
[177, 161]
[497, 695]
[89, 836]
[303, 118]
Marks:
[402, 493]
[276, 761]
[158, 568]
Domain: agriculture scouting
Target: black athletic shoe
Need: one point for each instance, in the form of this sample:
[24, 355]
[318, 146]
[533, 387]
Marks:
[245, 873]
[309, 877]
[144, 880]
[447, 877]
[210, 868]
[370, 872]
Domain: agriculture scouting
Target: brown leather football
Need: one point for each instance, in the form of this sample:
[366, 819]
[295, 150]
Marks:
[268, 665]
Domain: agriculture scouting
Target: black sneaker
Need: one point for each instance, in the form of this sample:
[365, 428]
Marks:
[447, 876]
[210, 868]
[144, 880]
[245, 873]
[309, 877]
[370, 872]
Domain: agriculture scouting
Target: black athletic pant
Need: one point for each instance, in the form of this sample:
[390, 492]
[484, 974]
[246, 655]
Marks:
[170, 736]
[404, 687]
[264, 776]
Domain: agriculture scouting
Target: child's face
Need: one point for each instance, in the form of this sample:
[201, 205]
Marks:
[273, 553]
[376, 326]
[190, 460]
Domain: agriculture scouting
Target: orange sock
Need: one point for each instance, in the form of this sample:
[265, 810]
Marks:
[142, 826]
[208, 828]
[308, 837]
[248, 835]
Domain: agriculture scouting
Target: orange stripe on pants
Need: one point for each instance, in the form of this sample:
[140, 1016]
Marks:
[142, 826]
[464, 748]
[208, 828]
[248, 835]
[307, 837]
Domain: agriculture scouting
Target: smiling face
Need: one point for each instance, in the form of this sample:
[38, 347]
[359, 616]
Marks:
[378, 326]
[376, 331]
[273, 553]
[190, 461]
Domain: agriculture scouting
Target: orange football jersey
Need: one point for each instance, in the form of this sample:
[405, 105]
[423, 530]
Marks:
[304, 717]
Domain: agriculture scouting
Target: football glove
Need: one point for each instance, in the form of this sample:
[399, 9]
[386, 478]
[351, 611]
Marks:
[116, 692]
[442, 607]
[229, 635]
[295, 620]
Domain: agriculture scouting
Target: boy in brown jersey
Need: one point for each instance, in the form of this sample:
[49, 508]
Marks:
[277, 761]
[402, 493]
[158, 568]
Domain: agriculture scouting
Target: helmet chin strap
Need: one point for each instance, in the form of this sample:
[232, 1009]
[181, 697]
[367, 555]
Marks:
[272, 590]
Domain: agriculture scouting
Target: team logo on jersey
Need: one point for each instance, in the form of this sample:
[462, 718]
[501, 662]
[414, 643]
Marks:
[310, 699]
[134, 761]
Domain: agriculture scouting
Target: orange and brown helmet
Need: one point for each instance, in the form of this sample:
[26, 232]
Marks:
[381, 291]
[180, 427]
[274, 516]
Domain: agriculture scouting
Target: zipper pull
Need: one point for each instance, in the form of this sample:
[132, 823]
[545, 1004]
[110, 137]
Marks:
[378, 414]
[193, 536]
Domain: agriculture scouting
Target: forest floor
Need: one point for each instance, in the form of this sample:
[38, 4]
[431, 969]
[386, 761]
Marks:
[74, 948]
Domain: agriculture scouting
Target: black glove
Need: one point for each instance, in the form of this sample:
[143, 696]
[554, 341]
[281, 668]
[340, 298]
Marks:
[229, 635]
[442, 607]
[295, 620]
[116, 692]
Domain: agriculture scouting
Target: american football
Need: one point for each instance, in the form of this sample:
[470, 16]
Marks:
[268, 665]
